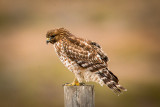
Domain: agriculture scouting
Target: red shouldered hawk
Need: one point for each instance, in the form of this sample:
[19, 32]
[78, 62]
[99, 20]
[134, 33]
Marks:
[84, 58]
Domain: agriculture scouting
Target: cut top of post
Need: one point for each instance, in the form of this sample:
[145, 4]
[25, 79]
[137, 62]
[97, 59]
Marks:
[79, 96]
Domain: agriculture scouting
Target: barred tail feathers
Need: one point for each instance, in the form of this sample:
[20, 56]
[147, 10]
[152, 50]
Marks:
[104, 77]
[111, 81]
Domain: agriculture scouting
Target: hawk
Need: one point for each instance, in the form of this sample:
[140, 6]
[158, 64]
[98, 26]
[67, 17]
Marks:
[84, 58]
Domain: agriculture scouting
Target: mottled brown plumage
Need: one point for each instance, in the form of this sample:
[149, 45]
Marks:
[84, 58]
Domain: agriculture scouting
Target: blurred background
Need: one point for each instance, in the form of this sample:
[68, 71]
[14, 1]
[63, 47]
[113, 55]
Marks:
[31, 74]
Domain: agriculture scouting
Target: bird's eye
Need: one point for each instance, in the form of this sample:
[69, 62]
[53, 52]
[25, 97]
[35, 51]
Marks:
[53, 36]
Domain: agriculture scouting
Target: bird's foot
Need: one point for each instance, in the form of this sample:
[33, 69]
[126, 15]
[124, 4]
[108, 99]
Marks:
[74, 84]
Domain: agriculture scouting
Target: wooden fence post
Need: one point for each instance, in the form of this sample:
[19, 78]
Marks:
[79, 96]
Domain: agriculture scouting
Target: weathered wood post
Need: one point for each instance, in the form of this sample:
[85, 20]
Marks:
[79, 96]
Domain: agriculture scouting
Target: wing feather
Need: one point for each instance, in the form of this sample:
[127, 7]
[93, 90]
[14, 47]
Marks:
[97, 47]
[84, 55]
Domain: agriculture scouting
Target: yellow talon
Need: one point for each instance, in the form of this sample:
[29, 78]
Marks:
[74, 83]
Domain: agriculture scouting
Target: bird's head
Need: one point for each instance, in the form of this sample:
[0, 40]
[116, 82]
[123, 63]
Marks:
[55, 35]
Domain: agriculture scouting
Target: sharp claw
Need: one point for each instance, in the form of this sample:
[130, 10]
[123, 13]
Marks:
[65, 84]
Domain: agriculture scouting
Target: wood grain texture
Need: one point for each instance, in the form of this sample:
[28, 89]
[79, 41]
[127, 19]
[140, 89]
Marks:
[79, 96]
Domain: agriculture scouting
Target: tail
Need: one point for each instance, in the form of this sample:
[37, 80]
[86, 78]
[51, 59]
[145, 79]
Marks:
[111, 81]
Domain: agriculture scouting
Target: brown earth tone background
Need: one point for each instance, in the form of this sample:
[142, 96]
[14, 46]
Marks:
[31, 74]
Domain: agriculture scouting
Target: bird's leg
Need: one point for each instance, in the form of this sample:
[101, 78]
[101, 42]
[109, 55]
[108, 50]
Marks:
[74, 83]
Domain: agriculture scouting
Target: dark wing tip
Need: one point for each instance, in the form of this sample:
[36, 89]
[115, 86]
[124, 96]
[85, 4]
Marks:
[95, 44]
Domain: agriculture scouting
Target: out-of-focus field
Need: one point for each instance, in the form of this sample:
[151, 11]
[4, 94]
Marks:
[31, 74]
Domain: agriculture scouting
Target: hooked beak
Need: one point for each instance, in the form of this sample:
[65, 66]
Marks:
[48, 40]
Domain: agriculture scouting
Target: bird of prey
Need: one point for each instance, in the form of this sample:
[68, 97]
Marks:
[84, 58]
